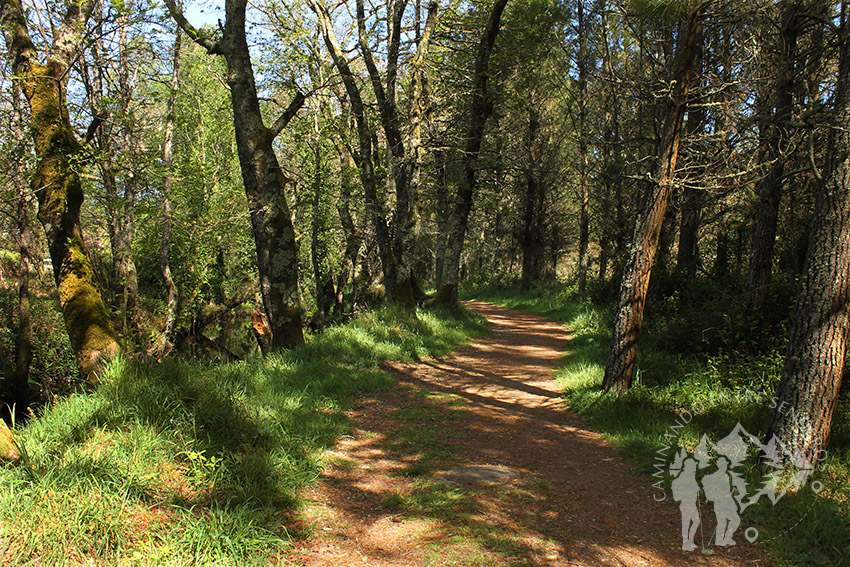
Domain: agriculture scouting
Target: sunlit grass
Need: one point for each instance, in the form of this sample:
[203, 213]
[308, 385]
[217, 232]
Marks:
[188, 463]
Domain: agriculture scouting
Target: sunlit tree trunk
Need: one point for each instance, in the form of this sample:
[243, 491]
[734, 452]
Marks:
[814, 362]
[622, 359]
[56, 182]
[271, 221]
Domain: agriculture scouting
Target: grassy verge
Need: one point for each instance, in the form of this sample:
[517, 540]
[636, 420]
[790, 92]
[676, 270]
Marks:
[801, 529]
[187, 463]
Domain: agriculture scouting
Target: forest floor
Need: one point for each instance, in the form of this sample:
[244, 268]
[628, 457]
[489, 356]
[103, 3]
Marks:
[563, 496]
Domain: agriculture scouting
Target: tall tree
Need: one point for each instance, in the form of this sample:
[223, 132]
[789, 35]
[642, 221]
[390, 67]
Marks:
[686, 258]
[622, 359]
[584, 154]
[163, 345]
[776, 109]
[481, 107]
[56, 180]
[271, 220]
[116, 138]
[398, 255]
[814, 362]
[364, 156]
[18, 391]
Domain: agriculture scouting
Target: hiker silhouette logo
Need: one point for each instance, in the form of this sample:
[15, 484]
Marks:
[713, 478]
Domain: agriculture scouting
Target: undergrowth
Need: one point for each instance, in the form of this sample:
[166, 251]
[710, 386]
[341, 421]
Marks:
[719, 383]
[189, 463]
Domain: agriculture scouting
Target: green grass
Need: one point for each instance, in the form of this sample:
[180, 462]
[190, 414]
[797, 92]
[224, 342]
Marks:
[188, 463]
[719, 391]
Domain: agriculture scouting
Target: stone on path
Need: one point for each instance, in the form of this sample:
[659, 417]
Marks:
[479, 474]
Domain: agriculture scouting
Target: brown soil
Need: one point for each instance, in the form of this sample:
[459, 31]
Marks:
[578, 501]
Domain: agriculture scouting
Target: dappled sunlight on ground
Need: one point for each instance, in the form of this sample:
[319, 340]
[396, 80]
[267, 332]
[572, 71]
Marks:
[577, 501]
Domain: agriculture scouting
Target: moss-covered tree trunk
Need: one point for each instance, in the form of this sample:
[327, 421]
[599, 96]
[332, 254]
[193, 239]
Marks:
[56, 181]
[271, 221]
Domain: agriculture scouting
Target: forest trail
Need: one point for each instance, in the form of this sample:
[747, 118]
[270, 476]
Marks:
[577, 501]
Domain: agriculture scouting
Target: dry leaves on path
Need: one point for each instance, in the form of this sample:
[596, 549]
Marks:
[575, 500]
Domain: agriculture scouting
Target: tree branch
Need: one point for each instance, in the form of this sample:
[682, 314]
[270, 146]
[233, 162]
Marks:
[213, 47]
[288, 114]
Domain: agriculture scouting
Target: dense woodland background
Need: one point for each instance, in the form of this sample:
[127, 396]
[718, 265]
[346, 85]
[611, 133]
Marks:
[255, 172]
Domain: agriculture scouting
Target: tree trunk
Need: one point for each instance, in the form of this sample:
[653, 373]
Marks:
[124, 267]
[584, 159]
[56, 182]
[442, 216]
[274, 235]
[364, 157]
[353, 240]
[120, 204]
[322, 280]
[686, 259]
[164, 343]
[532, 240]
[17, 393]
[777, 142]
[814, 362]
[480, 110]
[622, 360]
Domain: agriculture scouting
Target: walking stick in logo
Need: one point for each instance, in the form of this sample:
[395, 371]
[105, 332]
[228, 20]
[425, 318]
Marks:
[724, 486]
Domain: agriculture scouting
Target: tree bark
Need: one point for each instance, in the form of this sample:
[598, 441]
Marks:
[353, 239]
[777, 138]
[322, 280]
[532, 239]
[163, 344]
[271, 221]
[584, 159]
[814, 362]
[622, 360]
[481, 108]
[442, 216]
[364, 158]
[18, 393]
[686, 257]
[118, 182]
[56, 181]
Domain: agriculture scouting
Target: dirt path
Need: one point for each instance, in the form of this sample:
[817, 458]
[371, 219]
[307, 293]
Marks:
[577, 501]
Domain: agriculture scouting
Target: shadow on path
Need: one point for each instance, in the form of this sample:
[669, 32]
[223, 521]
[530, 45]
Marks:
[579, 501]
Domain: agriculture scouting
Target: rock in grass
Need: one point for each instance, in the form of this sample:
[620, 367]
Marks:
[8, 447]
